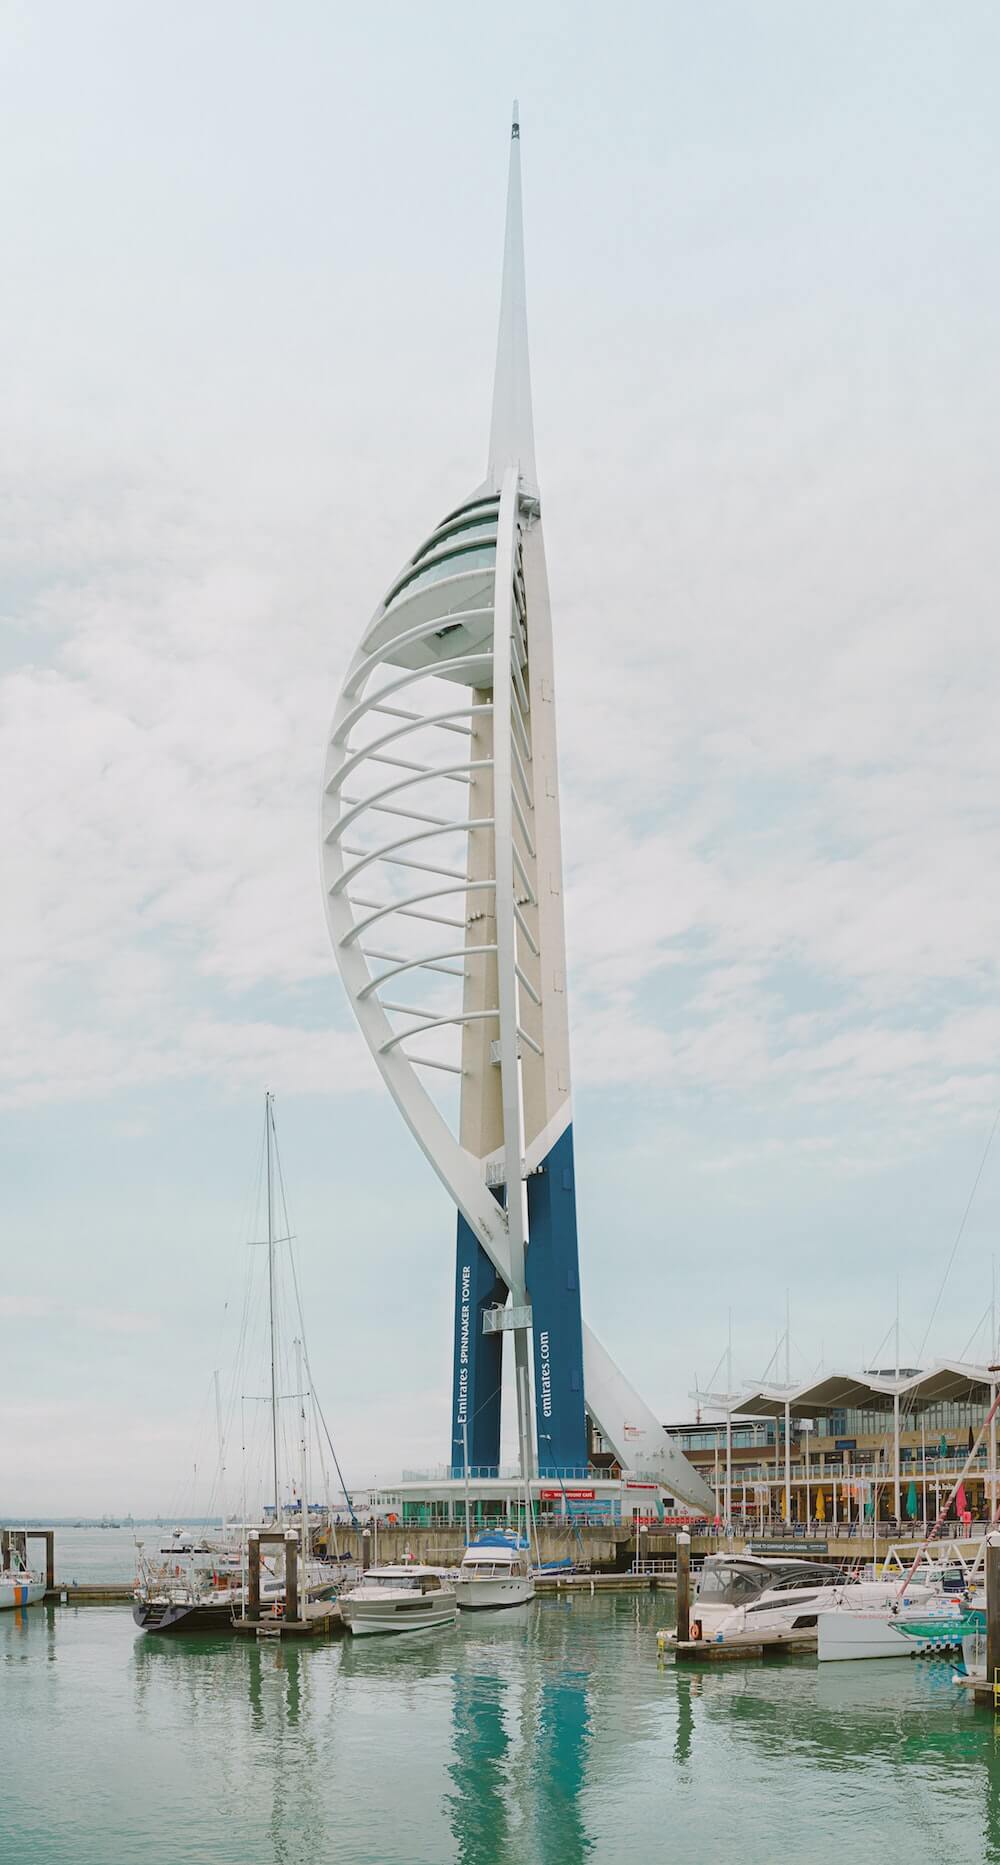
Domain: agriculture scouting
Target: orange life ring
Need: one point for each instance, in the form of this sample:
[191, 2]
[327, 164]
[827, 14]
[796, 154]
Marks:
[694, 1629]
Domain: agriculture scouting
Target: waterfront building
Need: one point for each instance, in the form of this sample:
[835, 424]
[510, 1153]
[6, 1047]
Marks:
[442, 872]
[851, 1447]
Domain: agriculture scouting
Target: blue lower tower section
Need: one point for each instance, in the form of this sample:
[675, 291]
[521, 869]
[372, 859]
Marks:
[478, 1357]
[553, 1279]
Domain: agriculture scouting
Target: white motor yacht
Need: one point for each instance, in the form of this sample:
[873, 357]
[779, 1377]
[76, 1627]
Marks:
[746, 1599]
[407, 1598]
[495, 1571]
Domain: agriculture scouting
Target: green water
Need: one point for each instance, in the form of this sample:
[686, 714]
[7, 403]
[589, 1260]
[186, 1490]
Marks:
[549, 1734]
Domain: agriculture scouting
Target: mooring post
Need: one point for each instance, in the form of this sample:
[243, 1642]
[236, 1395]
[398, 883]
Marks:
[4, 1550]
[992, 1609]
[366, 1551]
[50, 1560]
[683, 1586]
[292, 1576]
[253, 1576]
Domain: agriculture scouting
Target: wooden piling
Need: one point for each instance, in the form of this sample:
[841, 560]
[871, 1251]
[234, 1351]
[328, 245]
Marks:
[992, 1609]
[253, 1575]
[683, 1587]
[292, 1577]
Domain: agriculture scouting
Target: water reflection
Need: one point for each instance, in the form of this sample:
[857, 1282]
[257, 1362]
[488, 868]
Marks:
[683, 1684]
[520, 1740]
[248, 1706]
[545, 1735]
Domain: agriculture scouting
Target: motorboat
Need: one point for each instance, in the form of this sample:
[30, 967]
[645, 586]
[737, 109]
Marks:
[495, 1571]
[746, 1599]
[405, 1598]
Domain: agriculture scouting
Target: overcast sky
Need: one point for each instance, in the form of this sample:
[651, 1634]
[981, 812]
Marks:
[250, 277]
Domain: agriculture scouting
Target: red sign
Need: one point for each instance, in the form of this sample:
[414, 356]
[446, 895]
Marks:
[630, 1485]
[571, 1495]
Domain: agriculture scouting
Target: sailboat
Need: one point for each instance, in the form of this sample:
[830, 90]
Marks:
[209, 1588]
[19, 1586]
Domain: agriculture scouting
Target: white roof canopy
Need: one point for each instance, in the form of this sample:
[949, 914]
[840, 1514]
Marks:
[946, 1380]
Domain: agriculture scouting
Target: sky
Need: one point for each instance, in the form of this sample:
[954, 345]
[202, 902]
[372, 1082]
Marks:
[251, 276]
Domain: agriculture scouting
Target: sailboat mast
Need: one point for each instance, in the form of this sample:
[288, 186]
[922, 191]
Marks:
[220, 1438]
[268, 1126]
[303, 1466]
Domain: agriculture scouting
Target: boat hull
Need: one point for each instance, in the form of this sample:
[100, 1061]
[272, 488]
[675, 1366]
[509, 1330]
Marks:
[21, 1593]
[366, 1617]
[181, 1616]
[847, 1636]
[852, 1635]
[489, 1595]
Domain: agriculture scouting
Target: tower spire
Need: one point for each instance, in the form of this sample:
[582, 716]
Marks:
[512, 435]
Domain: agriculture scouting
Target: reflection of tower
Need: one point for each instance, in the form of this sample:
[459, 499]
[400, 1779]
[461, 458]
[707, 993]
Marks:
[442, 873]
[480, 1803]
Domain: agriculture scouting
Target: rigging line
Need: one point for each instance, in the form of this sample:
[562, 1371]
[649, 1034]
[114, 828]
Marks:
[305, 1349]
[908, 1407]
[980, 1324]
[961, 1229]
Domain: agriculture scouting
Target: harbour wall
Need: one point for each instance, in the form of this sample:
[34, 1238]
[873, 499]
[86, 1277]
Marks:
[612, 1549]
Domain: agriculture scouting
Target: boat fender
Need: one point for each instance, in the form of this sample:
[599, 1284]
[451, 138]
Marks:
[694, 1629]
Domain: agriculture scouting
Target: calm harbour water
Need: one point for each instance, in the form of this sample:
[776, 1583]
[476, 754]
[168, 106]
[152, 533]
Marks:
[549, 1734]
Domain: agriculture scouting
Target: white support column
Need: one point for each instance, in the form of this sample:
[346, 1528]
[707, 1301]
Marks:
[993, 1452]
[729, 1468]
[897, 1511]
[788, 1463]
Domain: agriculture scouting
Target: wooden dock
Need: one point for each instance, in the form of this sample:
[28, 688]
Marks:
[65, 1594]
[322, 1620]
[602, 1583]
[704, 1650]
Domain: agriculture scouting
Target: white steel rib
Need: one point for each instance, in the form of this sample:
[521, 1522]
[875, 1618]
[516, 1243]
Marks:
[461, 643]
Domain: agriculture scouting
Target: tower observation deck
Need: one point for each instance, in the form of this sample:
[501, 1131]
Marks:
[442, 879]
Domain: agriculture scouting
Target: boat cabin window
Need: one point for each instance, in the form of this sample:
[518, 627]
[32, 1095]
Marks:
[810, 1577]
[430, 1584]
[729, 1584]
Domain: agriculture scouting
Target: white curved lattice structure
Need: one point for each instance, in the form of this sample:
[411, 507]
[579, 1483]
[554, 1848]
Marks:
[442, 879]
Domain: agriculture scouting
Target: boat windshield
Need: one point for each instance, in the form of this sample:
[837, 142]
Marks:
[394, 1581]
[724, 1585]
